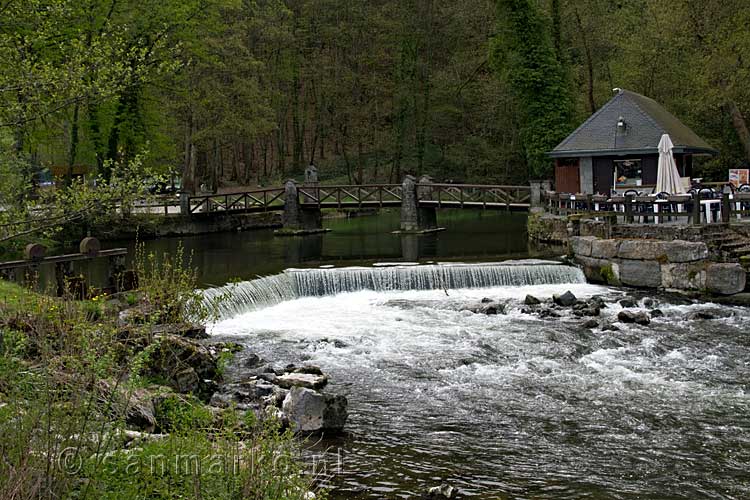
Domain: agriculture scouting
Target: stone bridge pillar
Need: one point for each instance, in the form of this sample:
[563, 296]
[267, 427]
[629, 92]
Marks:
[414, 218]
[296, 217]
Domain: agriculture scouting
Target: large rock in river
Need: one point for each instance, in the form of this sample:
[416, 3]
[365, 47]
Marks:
[311, 411]
[565, 300]
[725, 279]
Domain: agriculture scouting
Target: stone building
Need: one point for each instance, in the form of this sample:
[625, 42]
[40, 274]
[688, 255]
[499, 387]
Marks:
[616, 148]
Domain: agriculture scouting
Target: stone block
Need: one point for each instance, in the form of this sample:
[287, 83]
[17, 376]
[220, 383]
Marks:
[643, 274]
[604, 249]
[641, 250]
[685, 251]
[311, 411]
[600, 270]
[581, 245]
[725, 279]
[684, 276]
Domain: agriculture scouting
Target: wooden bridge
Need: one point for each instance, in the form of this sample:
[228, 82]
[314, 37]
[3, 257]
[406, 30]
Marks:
[486, 197]
[418, 201]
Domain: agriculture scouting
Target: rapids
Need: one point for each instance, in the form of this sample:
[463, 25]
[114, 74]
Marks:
[513, 406]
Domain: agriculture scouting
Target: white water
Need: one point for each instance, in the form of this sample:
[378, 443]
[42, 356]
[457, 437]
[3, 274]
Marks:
[294, 283]
[515, 406]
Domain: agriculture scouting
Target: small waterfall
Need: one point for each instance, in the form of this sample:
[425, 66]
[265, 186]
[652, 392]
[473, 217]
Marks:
[240, 297]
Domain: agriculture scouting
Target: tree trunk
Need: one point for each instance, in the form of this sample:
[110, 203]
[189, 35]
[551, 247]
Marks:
[740, 126]
[589, 64]
[73, 152]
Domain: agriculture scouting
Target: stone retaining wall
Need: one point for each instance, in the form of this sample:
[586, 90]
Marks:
[654, 263]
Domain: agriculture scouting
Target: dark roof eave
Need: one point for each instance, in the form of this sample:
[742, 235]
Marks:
[626, 152]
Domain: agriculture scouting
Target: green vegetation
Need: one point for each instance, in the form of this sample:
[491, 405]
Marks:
[75, 380]
[229, 92]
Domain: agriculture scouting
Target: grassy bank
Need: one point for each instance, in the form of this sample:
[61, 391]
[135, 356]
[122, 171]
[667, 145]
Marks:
[88, 408]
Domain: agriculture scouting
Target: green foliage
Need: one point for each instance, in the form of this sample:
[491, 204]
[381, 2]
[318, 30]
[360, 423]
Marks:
[524, 54]
[67, 377]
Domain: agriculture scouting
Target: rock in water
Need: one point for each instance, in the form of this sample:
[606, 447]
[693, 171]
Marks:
[311, 411]
[309, 380]
[627, 303]
[592, 323]
[640, 318]
[440, 492]
[565, 300]
[530, 300]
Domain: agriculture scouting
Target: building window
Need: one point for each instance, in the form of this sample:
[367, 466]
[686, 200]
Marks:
[628, 173]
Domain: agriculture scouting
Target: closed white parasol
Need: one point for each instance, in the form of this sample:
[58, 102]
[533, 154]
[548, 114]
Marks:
[667, 176]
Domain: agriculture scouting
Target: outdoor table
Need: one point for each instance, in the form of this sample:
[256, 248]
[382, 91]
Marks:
[708, 207]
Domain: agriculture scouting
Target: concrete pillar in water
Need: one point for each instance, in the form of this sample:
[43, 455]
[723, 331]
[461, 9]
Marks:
[413, 217]
[536, 197]
[296, 217]
[409, 205]
[291, 218]
[184, 203]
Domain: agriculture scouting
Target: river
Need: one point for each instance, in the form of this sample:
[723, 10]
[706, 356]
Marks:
[505, 406]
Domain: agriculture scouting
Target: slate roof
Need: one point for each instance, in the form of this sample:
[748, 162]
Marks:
[646, 121]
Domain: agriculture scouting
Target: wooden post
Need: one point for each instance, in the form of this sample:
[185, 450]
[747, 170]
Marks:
[696, 209]
[726, 208]
[589, 203]
[629, 209]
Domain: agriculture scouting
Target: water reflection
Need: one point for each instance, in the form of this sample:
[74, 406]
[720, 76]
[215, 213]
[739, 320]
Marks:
[470, 235]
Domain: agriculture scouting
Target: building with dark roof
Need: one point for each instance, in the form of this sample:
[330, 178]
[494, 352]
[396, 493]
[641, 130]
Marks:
[617, 147]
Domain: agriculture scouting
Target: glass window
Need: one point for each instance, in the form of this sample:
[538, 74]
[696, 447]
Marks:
[628, 173]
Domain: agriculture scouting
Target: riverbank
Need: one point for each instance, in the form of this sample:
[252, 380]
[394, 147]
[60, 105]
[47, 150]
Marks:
[111, 397]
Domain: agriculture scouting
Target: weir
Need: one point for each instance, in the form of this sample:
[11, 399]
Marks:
[295, 283]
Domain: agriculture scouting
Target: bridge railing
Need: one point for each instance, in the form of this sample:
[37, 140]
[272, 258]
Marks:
[351, 195]
[259, 199]
[474, 195]
[365, 195]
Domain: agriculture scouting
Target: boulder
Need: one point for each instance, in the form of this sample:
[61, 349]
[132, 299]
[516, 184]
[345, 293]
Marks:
[442, 492]
[592, 323]
[609, 327]
[308, 380]
[252, 360]
[243, 395]
[648, 302]
[587, 311]
[640, 273]
[565, 300]
[493, 309]
[641, 250]
[137, 405]
[657, 313]
[530, 300]
[637, 317]
[548, 313]
[627, 303]
[487, 300]
[678, 251]
[309, 369]
[604, 249]
[187, 365]
[685, 276]
[311, 411]
[581, 245]
[697, 315]
[725, 279]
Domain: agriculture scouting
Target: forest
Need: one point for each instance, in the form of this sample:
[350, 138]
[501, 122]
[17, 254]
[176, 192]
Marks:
[248, 92]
